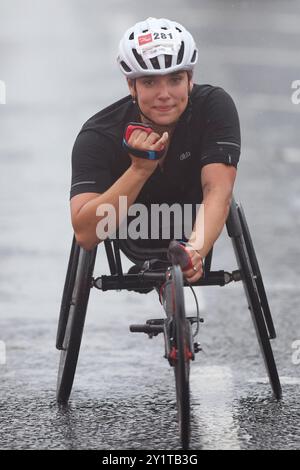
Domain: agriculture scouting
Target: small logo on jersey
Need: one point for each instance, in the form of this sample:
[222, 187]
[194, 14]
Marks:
[185, 155]
[145, 39]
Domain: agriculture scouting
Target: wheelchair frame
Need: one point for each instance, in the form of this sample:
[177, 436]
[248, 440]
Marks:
[79, 281]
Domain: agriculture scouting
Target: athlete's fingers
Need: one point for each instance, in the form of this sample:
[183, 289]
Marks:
[142, 141]
[196, 262]
[138, 136]
[193, 276]
[152, 138]
[160, 144]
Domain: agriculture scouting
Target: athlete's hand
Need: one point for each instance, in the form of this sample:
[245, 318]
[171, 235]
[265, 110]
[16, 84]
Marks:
[189, 259]
[141, 140]
[196, 272]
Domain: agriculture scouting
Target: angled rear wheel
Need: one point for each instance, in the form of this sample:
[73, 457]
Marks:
[255, 305]
[75, 324]
[257, 274]
[67, 294]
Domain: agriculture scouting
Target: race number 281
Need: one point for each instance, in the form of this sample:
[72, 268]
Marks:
[162, 36]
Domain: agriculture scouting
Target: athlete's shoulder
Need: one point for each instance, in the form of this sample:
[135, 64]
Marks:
[213, 103]
[203, 93]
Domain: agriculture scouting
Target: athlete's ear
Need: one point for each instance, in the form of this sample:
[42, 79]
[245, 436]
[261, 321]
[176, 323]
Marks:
[131, 86]
[191, 83]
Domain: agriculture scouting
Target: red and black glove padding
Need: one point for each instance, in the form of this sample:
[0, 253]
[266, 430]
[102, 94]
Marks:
[148, 154]
[179, 254]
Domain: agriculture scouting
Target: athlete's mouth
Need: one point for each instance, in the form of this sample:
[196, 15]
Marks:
[163, 109]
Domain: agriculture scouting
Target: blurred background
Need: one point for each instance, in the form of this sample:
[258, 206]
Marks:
[58, 64]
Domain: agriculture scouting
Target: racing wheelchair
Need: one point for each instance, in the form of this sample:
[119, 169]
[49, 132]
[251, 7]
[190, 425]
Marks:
[162, 270]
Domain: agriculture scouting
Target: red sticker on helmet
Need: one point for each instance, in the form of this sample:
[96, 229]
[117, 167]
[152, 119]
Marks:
[145, 39]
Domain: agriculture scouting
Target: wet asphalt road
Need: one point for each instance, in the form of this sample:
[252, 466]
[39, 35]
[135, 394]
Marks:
[57, 60]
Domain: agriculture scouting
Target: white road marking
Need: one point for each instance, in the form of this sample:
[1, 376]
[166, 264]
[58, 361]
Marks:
[190, 304]
[212, 394]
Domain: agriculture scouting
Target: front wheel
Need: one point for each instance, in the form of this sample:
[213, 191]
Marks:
[181, 334]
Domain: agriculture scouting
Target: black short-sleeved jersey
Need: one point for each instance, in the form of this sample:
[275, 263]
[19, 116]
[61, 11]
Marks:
[207, 132]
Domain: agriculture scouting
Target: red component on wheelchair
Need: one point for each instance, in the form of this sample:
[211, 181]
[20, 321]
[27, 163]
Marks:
[187, 353]
[173, 354]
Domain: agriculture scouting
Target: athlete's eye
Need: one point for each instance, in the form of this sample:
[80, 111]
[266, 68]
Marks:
[148, 82]
[177, 79]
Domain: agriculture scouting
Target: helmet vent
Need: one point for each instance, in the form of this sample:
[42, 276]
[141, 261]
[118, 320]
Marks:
[139, 59]
[155, 63]
[180, 53]
[194, 56]
[125, 66]
[168, 61]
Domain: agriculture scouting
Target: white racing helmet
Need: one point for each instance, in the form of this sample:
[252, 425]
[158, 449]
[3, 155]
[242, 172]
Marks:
[156, 47]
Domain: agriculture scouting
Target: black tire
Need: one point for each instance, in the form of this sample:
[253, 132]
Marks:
[257, 313]
[257, 274]
[75, 324]
[67, 294]
[182, 364]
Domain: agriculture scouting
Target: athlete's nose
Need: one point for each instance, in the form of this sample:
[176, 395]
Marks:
[163, 92]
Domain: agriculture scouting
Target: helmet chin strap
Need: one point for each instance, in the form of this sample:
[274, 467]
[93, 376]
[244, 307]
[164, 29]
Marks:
[160, 129]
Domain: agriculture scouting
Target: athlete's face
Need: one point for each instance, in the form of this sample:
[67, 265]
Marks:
[162, 98]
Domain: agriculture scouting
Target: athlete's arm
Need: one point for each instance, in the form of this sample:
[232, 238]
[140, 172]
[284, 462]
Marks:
[217, 181]
[219, 156]
[84, 206]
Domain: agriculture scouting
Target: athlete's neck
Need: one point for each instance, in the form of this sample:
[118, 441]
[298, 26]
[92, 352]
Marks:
[158, 128]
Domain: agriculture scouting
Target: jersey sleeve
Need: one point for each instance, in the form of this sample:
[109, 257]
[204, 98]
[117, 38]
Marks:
[222, 138]
[91, 163]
